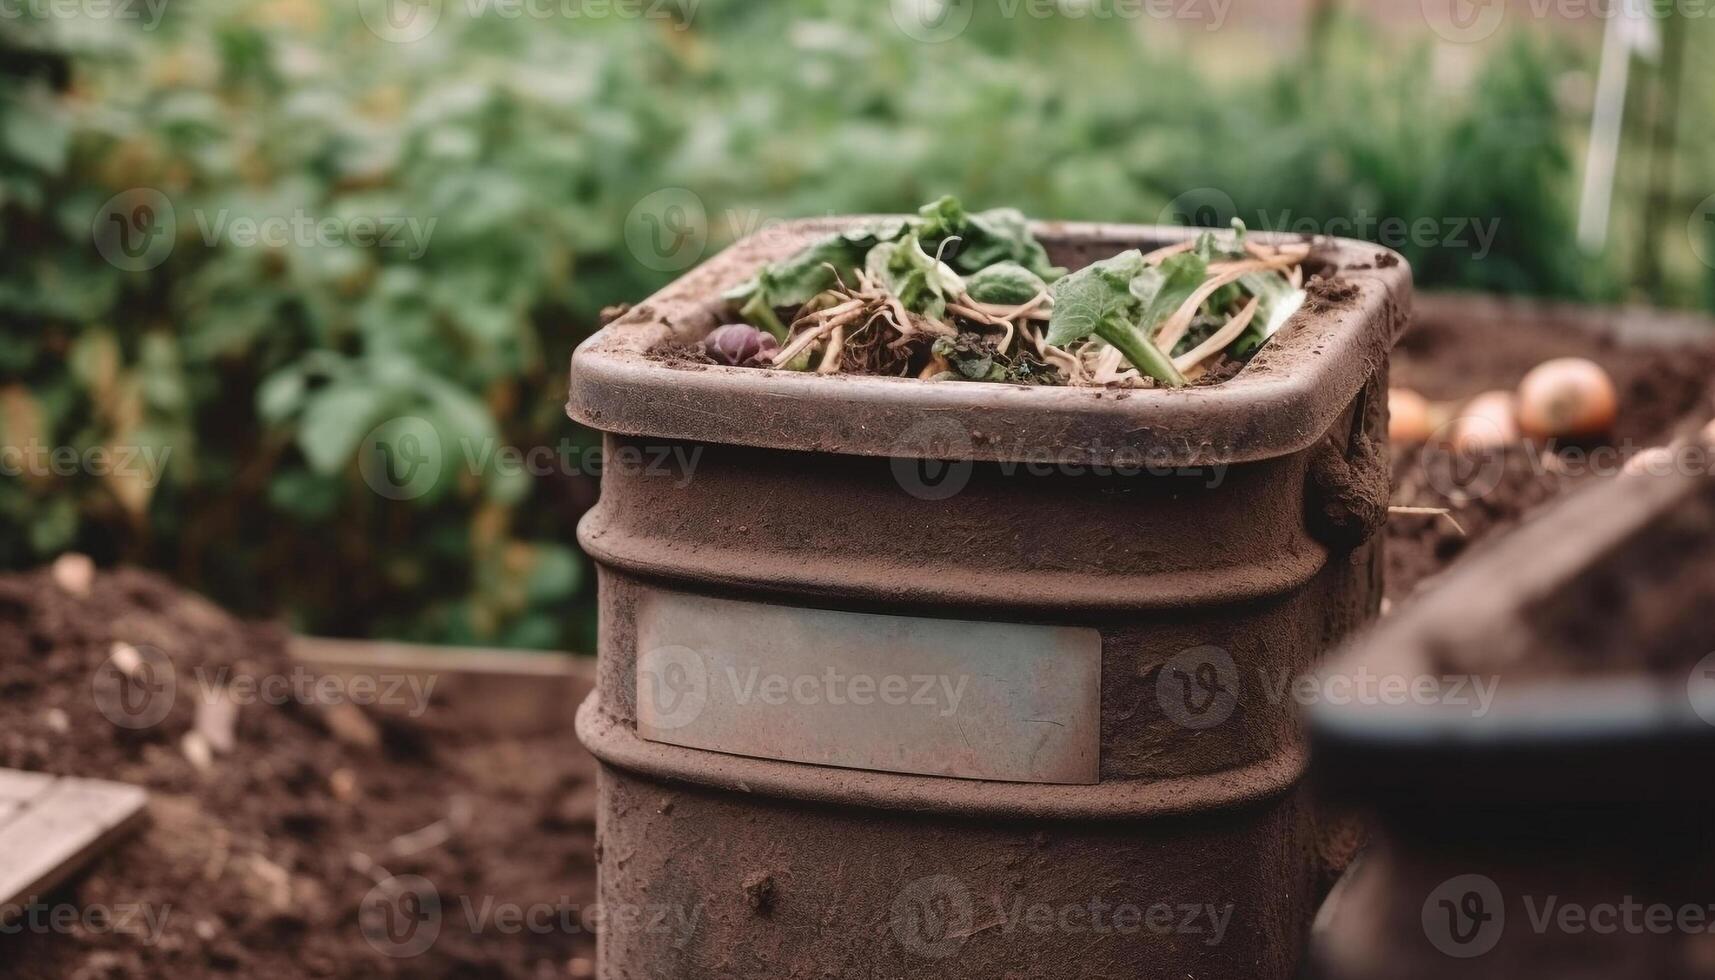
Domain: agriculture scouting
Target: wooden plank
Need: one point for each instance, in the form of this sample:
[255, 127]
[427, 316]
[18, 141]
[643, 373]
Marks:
[17, 786]
[492, 692]
[47, 838]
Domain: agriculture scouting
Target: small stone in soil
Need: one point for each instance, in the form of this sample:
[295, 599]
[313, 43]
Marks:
[350, 725]
[74, 573]
[197, 751]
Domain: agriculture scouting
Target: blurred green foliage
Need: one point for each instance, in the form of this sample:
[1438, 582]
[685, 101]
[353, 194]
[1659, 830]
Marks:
[518, 147]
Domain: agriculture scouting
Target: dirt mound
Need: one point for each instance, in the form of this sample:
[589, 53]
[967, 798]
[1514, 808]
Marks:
[1459, 348]
[259, 860]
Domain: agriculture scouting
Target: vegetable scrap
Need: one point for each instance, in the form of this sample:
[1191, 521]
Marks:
[949, 295]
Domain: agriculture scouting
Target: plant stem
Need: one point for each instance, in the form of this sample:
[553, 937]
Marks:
[759, 314]
[1142, 354]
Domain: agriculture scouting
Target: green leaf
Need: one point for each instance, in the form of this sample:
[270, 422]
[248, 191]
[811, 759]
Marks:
[1099, 300]
[985, 238]
[1085, 298]
[1005, 284]
[1162, 289]
[36, 137]
[971, 358]
[1279, 300]
[280, 395]
[1003, 235]
[335, 422]
[922, 283]
[795, 280]
[942, 217]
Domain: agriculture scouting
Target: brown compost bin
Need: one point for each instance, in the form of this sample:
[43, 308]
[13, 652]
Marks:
[1565, 830]
[907, 678]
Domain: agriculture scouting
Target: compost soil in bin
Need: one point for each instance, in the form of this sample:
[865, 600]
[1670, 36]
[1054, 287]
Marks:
[1453, 352]
[252, 864]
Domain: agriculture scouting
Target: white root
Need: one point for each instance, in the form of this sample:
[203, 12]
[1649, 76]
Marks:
[1174, 327]
[972, 313]
[1166, 252]
[802, 342]
[1298, 252]
[831, 356]
[1440, 512]
[1219, 340]
[1034, 309]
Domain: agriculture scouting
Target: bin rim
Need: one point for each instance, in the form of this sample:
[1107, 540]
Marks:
[1285, 399]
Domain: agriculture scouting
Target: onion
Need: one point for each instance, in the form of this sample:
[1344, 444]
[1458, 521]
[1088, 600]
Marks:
[1485, 422]
[1567, 397]
[1408, 417]
[739, 344]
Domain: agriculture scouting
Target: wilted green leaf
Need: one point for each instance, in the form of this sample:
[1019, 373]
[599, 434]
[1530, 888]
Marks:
[923, 284]
[1005, 284]
[1162, 289]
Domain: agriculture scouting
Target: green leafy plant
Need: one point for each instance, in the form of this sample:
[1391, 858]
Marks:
[907, 312]
[1099, 300]
[255, 375]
